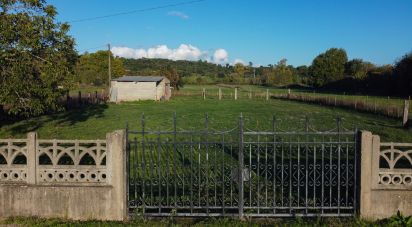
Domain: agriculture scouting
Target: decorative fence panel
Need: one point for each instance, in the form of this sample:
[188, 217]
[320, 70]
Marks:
[72, 179]
[241, 172]
[71, 161]
[386, 178]
[53, 161]
[395, 165]
[13, 161]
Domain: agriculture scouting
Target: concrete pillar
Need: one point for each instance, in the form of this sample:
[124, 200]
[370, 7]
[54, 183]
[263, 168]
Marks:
[220, 93]
[116, 145]
[366, 173]
[31, 157]
[235, 93]
[267, 94]
[376, 149]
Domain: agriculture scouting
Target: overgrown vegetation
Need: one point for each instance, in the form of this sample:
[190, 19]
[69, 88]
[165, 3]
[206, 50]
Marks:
[344, 222]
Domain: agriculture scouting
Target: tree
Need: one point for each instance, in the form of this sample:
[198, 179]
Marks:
[282, 62]
[358, 68]
[329, 66]
[283, 75]
[302, 73]
[278, 75]
[172, 74]
[37, 57]
[403, 75]
[93, 68]
[240, 69]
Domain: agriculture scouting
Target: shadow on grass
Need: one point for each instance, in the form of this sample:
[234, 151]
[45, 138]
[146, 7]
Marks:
[67, 118]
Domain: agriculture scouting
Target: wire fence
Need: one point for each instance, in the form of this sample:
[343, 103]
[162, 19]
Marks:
[393, 108]
[81, 100]
[388, 110]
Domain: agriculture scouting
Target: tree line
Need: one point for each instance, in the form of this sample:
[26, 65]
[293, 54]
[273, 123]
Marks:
[331, 70]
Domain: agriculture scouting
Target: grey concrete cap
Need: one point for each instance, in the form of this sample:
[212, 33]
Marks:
[139, 79]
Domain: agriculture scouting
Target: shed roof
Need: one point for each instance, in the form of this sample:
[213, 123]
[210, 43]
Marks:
[139, 79]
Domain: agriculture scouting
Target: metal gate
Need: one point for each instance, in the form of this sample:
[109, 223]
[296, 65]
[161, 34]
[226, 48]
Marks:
[239, 172]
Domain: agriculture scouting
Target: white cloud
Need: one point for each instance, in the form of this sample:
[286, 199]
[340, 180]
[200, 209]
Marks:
[220, 56]
[127, 52]
[178, 14]
[183, 52]
[237, 60]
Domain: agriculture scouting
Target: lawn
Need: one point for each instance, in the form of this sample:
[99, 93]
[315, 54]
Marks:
[95, 121]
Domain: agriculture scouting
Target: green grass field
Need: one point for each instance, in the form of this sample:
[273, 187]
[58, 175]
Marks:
[228, 93]
[244, 90]
[95, 121]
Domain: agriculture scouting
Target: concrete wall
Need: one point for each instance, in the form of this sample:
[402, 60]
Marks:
[134, 91]
[385, 189]
[80, 192]
[163, 90]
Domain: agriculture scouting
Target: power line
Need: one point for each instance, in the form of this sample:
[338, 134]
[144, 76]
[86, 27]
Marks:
[136, 11]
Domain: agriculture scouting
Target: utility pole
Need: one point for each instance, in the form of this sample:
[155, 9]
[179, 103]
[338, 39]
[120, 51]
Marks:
[110, 71]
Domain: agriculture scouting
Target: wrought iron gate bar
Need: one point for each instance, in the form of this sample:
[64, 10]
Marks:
[242, 173]
[245, 133]
[278, 215]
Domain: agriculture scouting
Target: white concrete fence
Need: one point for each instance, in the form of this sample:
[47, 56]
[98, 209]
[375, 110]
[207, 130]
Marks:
[386, 178]
[86, 179]
[75, 179]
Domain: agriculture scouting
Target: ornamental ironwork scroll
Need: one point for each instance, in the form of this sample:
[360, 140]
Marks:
[242, 172]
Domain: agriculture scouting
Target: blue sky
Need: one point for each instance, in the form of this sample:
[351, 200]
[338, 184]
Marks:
[260, 31]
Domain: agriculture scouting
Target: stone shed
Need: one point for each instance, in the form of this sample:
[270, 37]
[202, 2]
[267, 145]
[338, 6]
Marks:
[134, 88]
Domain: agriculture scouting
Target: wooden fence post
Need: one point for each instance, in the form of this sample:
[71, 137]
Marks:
[204, 93]
[387, 108]
[67, 100]
[267, 94]
[405, 121]
[96, 97]
[220, 93]
[235, 93]
[250, 93]
[79, 99]
[102, 98]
